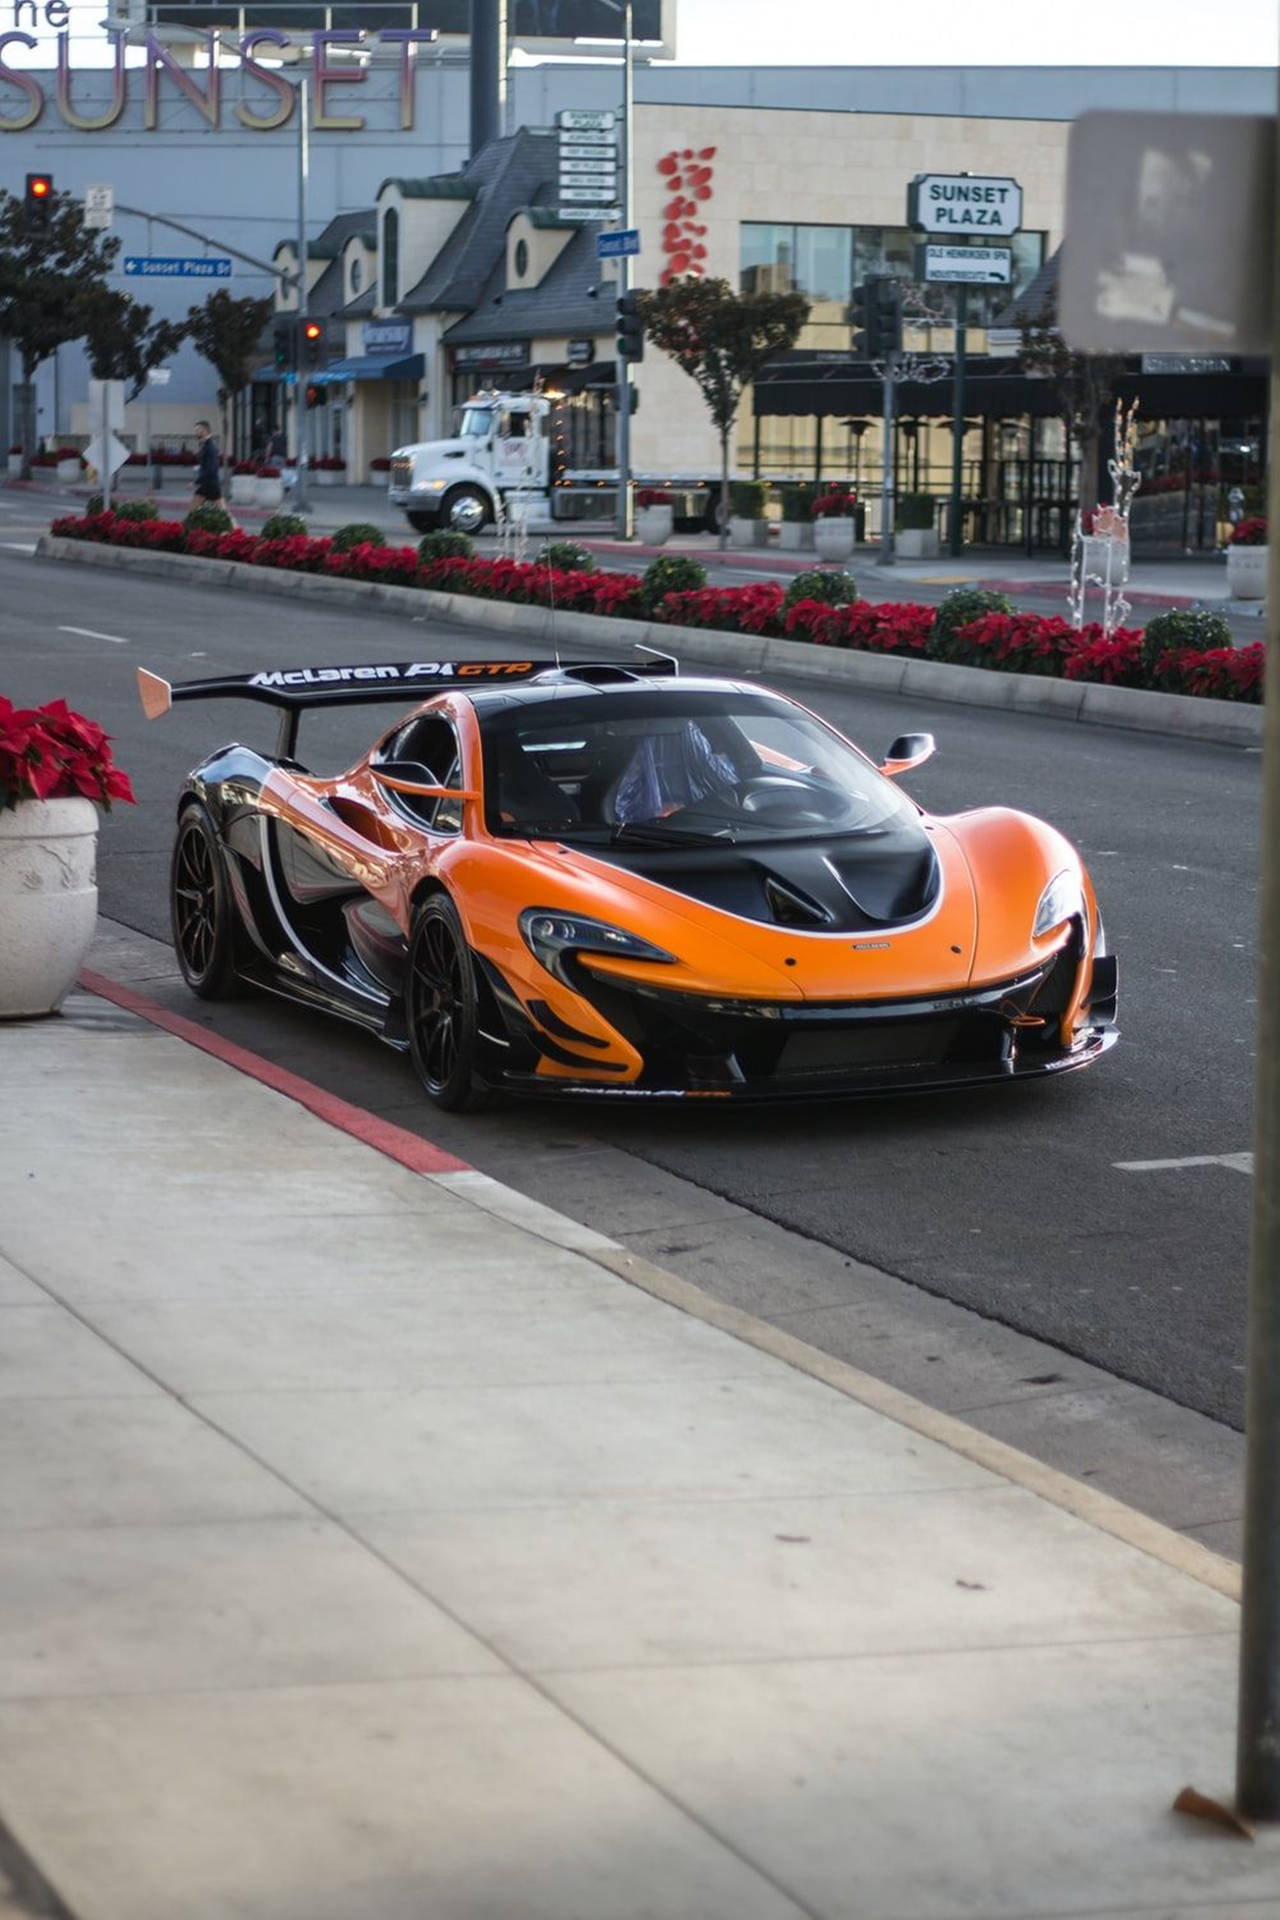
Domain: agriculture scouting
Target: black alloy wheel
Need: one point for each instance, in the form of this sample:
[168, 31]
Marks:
[440, 1008]
[201, 912]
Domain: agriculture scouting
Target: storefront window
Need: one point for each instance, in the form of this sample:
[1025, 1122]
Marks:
[768, 258]
[824, 262]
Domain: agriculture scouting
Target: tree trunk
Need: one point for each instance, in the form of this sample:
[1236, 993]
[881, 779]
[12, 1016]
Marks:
[724, 488]
[27, 414]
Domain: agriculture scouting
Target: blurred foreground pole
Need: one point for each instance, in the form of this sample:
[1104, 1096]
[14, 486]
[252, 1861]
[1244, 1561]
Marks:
[1258, 1731]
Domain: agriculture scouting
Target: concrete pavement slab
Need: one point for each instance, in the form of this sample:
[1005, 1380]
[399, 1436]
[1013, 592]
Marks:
[673, 1584]
[256, 1603]
[122, 1461]
[47, 1354]
[17, 1289]
[449, 1448]
[958, 1783]
[448, 1799]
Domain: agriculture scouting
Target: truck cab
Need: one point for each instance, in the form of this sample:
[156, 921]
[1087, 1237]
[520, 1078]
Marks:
[500, 453]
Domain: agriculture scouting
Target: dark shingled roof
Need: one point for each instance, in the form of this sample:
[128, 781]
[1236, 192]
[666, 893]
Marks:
[518, 171]
[437, 186]
[562, 303]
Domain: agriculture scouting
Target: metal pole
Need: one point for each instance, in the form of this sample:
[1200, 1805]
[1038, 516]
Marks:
[151, 465]
[1258, 1729]
[105, 475]
[299, 344]
[626, 508]
[884, 553]
[956, 544]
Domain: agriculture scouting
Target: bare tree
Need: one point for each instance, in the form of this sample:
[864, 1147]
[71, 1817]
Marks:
[721, 339]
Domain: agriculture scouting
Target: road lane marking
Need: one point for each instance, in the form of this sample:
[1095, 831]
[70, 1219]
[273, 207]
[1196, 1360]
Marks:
[88, 633]
[1238, 1163]
[18, 546]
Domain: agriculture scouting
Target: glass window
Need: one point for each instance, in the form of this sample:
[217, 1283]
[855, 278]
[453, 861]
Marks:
[390, 257]
[824, 262]
[768, 255]
[357, 274]
[476, 422]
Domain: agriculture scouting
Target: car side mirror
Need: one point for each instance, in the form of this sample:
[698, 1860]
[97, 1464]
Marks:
[907, 751]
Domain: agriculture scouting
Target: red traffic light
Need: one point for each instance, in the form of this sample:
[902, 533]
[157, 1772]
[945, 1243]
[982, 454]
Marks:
[39, 186]
[313, 330]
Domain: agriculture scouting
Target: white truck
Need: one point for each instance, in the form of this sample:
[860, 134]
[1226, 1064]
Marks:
[526, 452]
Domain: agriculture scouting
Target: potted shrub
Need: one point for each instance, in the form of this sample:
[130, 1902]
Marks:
[747, 524]
[834, 523]
[655, 516]
[330, 470]
[15, 463]
[268, 487]
[55, 772]
[1247, 560]
[916, 531]
[244, 483]
[380, 471]
[67, 464]
[795, 535]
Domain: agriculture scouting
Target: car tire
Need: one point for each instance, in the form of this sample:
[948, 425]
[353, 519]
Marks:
[201, 909]
[422, 522]
[441, 1008]
[465, 510]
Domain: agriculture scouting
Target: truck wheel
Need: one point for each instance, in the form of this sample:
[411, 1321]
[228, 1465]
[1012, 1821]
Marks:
[465, 510]
[421, 522]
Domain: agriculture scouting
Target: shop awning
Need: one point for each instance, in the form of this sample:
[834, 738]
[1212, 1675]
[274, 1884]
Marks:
[375, 366]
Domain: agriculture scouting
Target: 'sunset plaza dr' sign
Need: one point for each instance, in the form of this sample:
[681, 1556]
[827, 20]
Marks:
[964, 203]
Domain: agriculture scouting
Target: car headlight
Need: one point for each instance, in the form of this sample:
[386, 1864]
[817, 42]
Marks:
[1061, 900]
[549, 936]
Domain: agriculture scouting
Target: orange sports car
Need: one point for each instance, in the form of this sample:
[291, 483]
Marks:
[620, 882]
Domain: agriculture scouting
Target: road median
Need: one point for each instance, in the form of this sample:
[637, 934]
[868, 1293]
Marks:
[1220, 722]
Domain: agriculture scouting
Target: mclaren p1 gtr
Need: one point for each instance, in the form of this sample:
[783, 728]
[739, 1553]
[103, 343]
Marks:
[617, 881]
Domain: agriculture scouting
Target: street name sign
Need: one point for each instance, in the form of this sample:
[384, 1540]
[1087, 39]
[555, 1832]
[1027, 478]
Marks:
[1170, 233]
[614, 246]
[967, 266]
[158, 266]
[586, 120]
[977, 203]
[601, 196]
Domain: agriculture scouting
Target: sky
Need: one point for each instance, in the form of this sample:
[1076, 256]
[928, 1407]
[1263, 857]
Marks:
[1087, 33]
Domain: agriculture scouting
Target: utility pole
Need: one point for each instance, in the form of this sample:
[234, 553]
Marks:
[626, 513]
[956, 517]
[884, 552]
[301, 422]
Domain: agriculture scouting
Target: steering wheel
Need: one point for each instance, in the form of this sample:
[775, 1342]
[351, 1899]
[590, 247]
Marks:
[775, 796]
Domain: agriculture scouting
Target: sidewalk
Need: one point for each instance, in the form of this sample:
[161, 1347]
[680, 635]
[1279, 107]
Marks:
[376, 1542]
[1176, 581]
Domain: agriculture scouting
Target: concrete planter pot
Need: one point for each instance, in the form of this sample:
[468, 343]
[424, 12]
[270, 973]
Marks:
[917, 543]
[67, 470]
[1247, 573]
[747, 533]
[833, 537]
[796, 536]
[653, 525]
[48, 901]
[267, 493]
[15, 466]
[329, 477]
[244, 489]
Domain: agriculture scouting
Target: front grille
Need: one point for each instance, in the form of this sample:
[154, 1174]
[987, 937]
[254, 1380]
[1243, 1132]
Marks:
[401, 473]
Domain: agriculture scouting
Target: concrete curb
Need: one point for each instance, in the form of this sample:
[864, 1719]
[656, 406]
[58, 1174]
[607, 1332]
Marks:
[1221, 722]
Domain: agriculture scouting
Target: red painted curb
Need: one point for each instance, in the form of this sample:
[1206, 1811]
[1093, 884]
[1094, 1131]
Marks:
[420, 1156]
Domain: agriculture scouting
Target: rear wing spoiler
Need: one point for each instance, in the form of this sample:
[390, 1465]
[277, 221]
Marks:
[295, 689]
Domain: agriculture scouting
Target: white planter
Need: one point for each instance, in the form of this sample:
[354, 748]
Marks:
[1247, 573]
[244, 489]
[327, 477]
[15, 466]
[917, 543]
[653, 525]
[380, 477]
[267, 493]
[796, 536]
[67, 470]
[48, 901]
[833, 537]
[747, 533]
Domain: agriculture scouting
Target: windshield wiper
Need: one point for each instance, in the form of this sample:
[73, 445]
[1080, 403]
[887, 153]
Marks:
[654, 834]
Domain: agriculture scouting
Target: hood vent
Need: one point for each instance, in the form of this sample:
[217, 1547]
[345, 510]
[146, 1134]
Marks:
[791, 908]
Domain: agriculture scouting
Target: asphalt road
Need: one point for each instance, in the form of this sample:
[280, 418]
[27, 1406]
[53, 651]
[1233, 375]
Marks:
[1014, 1202]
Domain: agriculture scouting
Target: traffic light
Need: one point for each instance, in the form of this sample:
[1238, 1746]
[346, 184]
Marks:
[37, 205]
[312, 343]
[283, 344]
[874, 318]
[630, 328]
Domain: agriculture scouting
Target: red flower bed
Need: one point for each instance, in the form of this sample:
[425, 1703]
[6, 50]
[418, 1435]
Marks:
[835, 505]
[890, 627]
[1249, 533]
[753, 609]
[1219, 673]
[1114, 662]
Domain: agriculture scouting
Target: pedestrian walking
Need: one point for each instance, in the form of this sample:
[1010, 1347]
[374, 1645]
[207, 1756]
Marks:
[207, 486]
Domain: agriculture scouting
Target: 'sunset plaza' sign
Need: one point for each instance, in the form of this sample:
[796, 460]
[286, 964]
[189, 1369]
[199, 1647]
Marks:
[964, 203]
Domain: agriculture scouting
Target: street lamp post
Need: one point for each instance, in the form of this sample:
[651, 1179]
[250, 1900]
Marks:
[301, 436]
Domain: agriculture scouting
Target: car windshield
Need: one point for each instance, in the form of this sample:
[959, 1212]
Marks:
[476, 422]
[669, 767]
